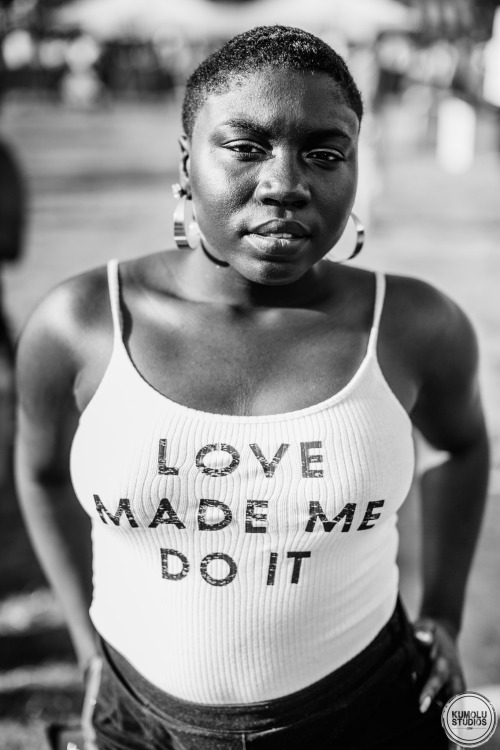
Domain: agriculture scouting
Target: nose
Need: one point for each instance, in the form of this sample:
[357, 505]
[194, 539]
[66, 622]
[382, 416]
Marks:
[282, 182]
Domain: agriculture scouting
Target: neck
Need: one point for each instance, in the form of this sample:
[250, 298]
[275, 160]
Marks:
[215, 261]
[202, 277]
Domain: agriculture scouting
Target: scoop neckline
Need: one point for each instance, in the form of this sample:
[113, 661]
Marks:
[120, 349]
[252, 418]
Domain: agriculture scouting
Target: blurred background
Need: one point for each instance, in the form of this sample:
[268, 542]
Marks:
[90, 95]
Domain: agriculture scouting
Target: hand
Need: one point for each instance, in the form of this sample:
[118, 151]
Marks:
[446, 671]
[93, 673]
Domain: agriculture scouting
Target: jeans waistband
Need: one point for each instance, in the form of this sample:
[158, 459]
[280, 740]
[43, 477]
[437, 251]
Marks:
[361, 676]
[348, 688]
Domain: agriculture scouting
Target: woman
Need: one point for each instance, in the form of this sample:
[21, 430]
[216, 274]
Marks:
[239, 416]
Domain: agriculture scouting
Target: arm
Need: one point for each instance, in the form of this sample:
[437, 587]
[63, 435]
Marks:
[448, 412]
[47, 419]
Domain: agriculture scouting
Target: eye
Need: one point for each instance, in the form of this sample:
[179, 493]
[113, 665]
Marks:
[325, 155]
[245, 149]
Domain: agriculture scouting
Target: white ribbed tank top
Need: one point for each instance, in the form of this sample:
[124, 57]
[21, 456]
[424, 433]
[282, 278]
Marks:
[241, 558]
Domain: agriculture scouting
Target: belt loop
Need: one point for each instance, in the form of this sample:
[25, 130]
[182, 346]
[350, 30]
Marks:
[408, 640]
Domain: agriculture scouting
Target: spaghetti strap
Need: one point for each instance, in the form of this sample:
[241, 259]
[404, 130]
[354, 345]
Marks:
[114, 297]
[377, 312]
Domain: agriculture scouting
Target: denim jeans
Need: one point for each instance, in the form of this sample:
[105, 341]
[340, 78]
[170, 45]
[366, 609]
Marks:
[370, 703]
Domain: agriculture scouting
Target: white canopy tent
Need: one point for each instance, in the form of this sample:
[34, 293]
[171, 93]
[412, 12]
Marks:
[356, 20]
[106, 19]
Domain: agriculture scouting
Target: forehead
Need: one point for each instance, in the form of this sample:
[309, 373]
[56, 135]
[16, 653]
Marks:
[279, 99]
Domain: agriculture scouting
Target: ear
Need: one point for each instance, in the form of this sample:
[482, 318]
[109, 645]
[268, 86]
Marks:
[185, 147]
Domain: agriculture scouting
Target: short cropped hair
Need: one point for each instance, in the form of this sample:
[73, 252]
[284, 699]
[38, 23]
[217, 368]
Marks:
[266, 46]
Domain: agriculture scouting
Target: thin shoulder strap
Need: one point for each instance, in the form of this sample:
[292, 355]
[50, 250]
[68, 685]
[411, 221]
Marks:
[114, 297]
[377, 312]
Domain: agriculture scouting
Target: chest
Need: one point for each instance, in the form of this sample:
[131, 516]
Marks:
[266, 363]
[323, 470]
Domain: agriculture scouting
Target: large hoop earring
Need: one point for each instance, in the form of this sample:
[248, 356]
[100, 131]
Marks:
[185, 235]
[360, 241]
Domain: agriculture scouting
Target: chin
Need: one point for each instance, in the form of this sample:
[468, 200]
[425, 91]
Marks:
[275, 274]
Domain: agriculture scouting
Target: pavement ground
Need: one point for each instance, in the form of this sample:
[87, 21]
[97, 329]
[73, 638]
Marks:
[100, 188]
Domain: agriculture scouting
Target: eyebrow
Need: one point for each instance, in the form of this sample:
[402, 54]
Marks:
[244, 124]
[329, 132]
[240, 122]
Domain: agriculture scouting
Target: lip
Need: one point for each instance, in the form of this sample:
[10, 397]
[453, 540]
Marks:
[276, 249]
[293, 230]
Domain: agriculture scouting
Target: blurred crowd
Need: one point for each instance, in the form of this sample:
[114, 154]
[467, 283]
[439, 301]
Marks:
[63, 50]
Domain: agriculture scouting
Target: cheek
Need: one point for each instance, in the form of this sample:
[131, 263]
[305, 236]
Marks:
[344, 187]
[213, 179]
[219, 196]
[337, 197]
[334, 204]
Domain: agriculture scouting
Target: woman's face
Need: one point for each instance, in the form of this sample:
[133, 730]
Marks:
[272, 171]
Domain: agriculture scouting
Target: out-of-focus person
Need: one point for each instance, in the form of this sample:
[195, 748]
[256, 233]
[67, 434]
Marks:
[12, 213]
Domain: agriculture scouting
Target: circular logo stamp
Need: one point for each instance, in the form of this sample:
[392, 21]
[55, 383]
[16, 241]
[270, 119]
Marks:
[469, 719]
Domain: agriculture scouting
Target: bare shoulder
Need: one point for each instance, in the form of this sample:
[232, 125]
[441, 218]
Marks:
[72, 307]
[63, 329]
[433, 329]
[440, 346]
